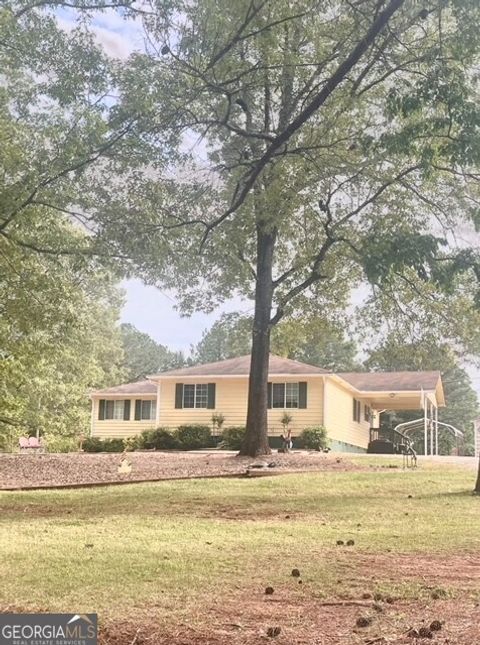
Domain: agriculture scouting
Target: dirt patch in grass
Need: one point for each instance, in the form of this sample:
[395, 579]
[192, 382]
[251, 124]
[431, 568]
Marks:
[249, 621]
[293, 614]
[433, 572]
[23, 471]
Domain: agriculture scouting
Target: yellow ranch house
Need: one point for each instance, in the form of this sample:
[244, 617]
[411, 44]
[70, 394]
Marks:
[349, 405]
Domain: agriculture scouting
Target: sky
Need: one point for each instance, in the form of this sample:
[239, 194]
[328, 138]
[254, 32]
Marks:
[153, 312]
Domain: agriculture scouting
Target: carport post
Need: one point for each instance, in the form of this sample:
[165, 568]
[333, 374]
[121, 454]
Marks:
[425, 436]
[430, 423]
[436, 431]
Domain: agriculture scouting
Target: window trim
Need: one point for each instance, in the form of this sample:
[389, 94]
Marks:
[195, 396]
[180, 396]
[284, 406]
[108, 406]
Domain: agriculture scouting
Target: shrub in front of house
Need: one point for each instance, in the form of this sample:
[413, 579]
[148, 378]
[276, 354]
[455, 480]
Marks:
[314, 438]
[193, 437]
[95, 444]
[158, 439]
[232, 437]
[92, 444]
[113, 445]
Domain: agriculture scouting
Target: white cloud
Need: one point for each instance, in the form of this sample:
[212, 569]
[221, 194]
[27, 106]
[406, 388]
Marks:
[118, 37]
[115, 45]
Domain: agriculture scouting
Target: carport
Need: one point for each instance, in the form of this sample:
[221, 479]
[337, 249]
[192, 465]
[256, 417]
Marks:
[397, 391]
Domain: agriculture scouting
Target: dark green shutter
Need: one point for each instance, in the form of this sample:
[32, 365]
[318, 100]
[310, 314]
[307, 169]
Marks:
[109, 409]
[366, 413]
[138, 410]
[357, 410]
[179, 395]
[126, 410]
[211, 396]
[302, 394]
[101, 410]
[269, 395]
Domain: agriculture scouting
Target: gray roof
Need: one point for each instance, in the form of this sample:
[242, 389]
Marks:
[386, 381]
[139, 387]
[240, 366]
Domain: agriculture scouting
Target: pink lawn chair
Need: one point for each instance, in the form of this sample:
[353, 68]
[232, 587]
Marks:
[30, 443]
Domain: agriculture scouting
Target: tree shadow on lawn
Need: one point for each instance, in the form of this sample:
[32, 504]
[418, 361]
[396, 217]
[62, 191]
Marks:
[465, 494]
[256, 505]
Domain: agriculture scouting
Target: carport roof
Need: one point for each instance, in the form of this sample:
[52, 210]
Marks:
[391, 381]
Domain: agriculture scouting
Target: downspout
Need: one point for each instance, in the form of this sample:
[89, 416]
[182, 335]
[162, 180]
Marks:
[425, 438]
[431, 428]
[157, 413]
[92, 416]
[324, 402]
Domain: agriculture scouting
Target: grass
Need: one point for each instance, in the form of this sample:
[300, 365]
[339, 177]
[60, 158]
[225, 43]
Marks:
[172, 544]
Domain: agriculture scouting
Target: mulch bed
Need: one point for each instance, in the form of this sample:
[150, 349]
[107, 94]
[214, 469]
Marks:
[24, 471]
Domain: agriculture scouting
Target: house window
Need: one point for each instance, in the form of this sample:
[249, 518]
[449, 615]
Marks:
[188, 396]
[201, 395]
[114, 410]
[291, 395]
[285, 395]
[195, 396]
[357, 410]
[118, 410]
[148, 410]
[145, 410]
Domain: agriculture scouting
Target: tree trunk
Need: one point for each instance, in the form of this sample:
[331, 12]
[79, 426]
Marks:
[477, 485]
[256, 437]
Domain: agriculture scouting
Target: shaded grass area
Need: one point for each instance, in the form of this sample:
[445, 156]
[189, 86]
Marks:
[173, 543]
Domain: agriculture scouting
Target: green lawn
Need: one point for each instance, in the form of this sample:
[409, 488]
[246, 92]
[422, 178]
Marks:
[172, 544]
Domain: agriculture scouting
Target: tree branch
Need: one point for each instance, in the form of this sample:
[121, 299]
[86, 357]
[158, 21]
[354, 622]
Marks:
[115, 4]
[81, 163]
[315, 104]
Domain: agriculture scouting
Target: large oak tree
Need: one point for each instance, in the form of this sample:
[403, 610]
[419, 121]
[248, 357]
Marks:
[280, 150]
